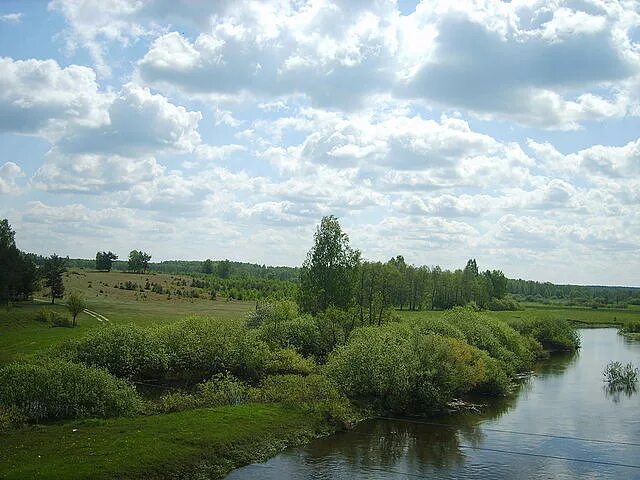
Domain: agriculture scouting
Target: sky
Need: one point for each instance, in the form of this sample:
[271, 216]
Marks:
[503, 131]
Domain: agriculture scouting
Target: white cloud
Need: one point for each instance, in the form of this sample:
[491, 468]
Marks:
[9, 172]
[11, 17]
[40, 97]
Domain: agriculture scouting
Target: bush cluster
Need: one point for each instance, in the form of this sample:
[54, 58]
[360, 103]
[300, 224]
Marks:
[53, 318]
[57, 389]
[399, 368]
[553, 334]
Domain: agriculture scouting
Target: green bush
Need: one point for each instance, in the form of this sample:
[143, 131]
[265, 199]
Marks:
[553, 334]
[631, 326]
[199, 348]
[621, 377]
[287, 360]
[126, 351]
[493, 336]
[11, 418]
[272, 312]
[315, 393]
[53, 318]
[502, 304]
[59, 389]
[222, 389]
[396, 368]
[301, 333]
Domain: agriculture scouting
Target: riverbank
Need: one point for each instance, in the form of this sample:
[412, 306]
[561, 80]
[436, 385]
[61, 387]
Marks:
[203, 443]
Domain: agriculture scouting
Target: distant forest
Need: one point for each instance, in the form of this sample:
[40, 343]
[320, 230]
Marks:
[521, 290]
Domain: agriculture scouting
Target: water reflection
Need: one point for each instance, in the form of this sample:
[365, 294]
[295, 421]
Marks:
[617, 392]
[541, 431]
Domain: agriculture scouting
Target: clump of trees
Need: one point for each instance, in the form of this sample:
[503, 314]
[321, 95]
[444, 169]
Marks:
[18, 272]
[104, 260]
[138, 261]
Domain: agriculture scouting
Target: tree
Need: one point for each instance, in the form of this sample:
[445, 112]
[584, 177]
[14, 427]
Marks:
[75, 304]
[207, 266]
[52, 271]
[224, 269]
[328, 274]
[18, 273]
[104, 260]
[138, 261]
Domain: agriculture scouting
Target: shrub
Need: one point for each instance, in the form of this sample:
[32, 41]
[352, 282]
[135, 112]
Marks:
[314, 393]
[287, 360]
[631, 326]
[272, 312]
[126, 351]
[621, 377]
[396, 368]
[501, 304]
[222, 389]
[553, 334]
[198, 348]
[301, 333]
[59, 389]
[53, 318]
[493, 336]
[10, 418]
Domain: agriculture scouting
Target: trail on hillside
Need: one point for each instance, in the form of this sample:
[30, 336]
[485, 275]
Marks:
[101, 318]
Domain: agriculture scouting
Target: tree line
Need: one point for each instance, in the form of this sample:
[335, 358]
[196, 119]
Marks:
[335, 275]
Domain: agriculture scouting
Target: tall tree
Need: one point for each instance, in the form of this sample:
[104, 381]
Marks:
[207, 266]
[328, 274]
[224, 269]
[18, 274]
[138, 261]
[52, 271]
[104, 260]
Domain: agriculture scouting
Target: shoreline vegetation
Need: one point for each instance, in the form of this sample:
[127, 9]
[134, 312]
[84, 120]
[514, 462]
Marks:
[192, 387]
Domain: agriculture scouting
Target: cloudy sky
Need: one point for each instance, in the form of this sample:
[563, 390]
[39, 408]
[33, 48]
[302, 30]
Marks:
[504, 131]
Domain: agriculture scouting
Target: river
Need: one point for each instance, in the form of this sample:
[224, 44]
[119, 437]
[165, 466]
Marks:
[561, 423]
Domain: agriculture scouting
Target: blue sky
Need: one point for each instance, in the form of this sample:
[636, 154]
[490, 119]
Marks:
[504, 131]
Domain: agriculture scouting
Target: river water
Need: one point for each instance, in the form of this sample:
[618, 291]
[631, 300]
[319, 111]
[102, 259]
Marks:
[562, 423]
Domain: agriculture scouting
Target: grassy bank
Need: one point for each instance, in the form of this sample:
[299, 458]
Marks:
[581, 316]
[191, 444]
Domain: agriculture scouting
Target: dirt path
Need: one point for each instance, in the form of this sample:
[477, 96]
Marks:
[101, 318]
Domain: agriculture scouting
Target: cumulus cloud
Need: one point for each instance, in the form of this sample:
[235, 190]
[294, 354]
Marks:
[15, 17]
[40, 97]
[9, 172]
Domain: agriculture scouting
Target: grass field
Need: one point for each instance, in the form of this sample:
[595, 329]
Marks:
[581, 316]
[21, 335]
[209, 442]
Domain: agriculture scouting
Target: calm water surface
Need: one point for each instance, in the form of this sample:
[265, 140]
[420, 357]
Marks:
[566, 398]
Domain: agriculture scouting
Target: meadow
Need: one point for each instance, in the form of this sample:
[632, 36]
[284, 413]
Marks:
[286, 368]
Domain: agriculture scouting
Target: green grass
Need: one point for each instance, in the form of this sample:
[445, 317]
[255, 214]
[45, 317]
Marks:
[579, 315]
[21, 335]
[177, 445]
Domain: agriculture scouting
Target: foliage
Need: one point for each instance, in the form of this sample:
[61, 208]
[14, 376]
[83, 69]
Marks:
[621, 377]
[75, 304]
[104, 260]
[207, 266]
[52, 271]
[313, 393]
[289, 361]
[327, 275]
[272, 312]
[397, 368]
[631, 326]
[126, 351]
[58, 389]
[493, 336]
[198, 348]
[552, 333]
[138, 261]
[10, 418]
[502, 304]
[301, 333]
[18, 273]
[221, 389]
